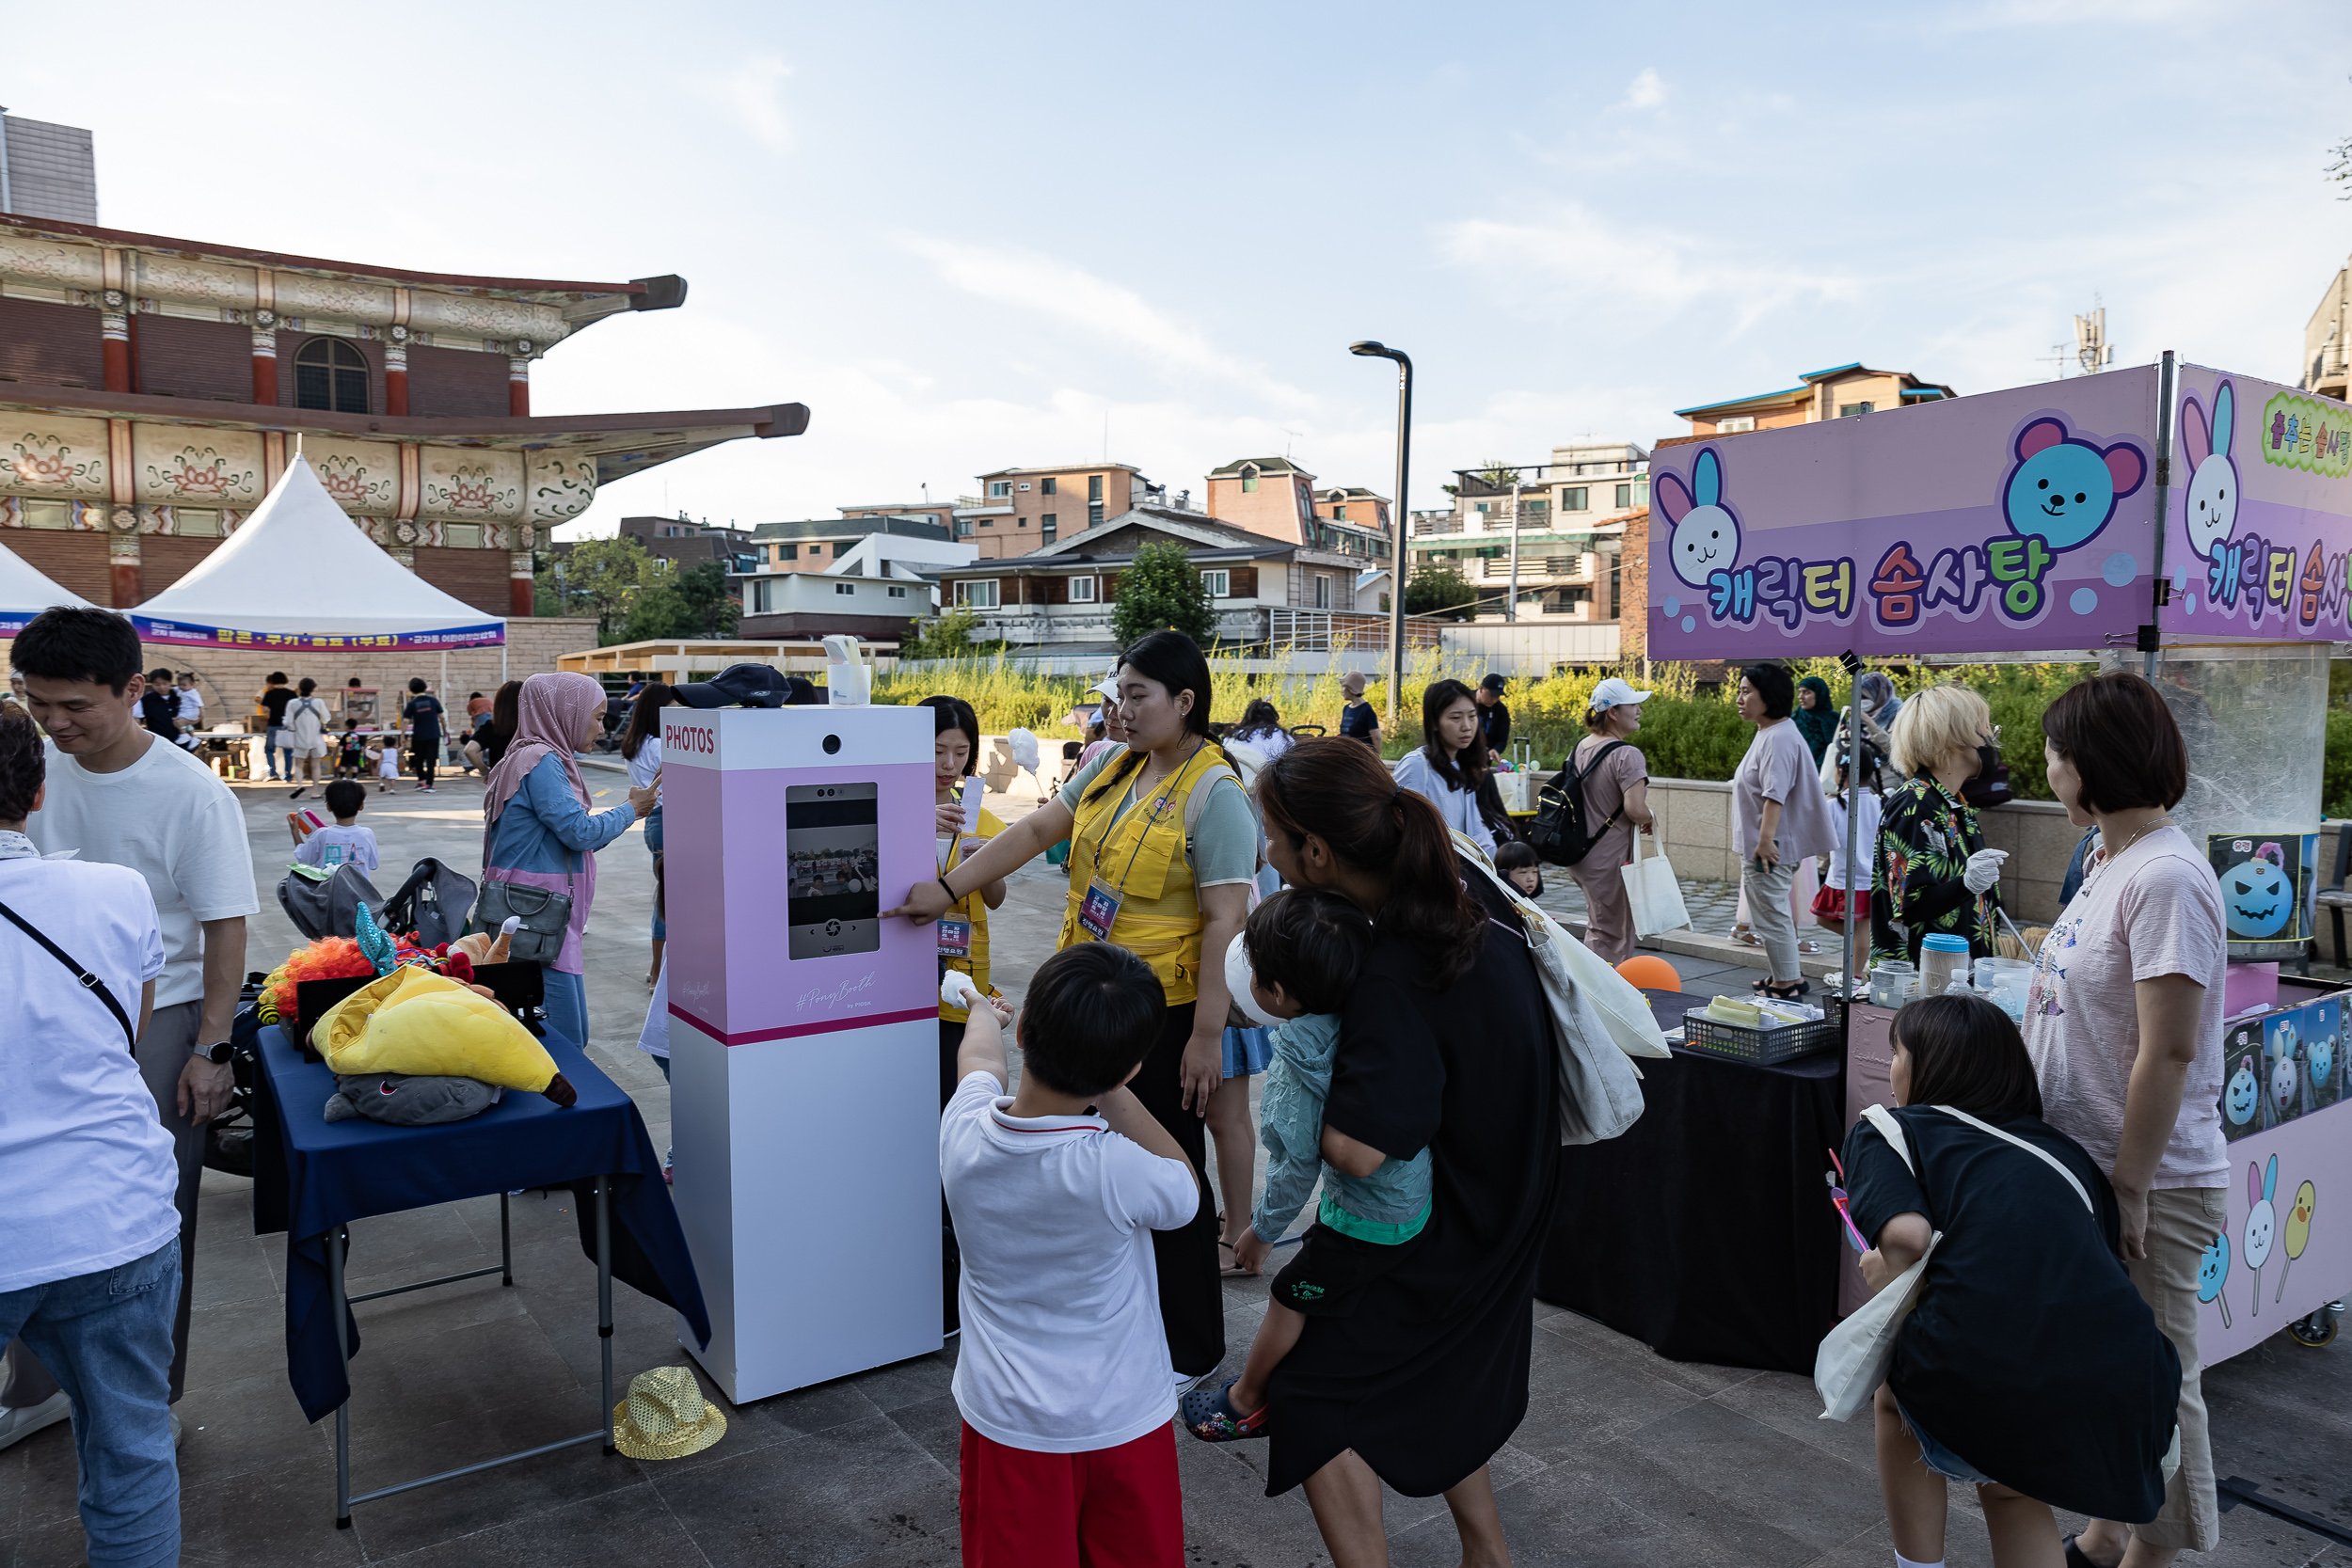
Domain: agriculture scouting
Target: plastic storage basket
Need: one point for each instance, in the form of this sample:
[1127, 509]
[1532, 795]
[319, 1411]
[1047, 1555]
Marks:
[1765, 1047]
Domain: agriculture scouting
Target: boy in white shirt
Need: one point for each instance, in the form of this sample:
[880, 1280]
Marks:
[344, 844]
[1069, 1448]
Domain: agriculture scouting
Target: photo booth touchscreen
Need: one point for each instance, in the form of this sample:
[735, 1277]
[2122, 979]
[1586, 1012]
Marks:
[834, 852]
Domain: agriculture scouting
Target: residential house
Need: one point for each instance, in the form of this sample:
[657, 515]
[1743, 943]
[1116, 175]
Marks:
[2327, 337]
[1062, 594]
[682, 540]
[1840, 392]
[1339, 533]
[1563, 520]
[1019, 510]
[867, 575]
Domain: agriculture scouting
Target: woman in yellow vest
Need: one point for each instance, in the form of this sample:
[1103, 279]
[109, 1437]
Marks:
[964, 930]
[1162, 844]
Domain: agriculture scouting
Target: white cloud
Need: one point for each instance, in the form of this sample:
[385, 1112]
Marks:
[1094, 306]
[1587, 256]
[752, 96]
[1645, 91]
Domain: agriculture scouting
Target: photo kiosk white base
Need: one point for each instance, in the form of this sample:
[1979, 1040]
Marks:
[804, 1037]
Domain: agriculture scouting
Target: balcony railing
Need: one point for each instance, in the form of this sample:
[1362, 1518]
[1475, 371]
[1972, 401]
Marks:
[1322, 631]
[1537, 568]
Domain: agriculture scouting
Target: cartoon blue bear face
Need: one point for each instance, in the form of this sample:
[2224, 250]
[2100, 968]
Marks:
[2323, 1060]
[2213, 1268]
[2064, 489]
[2239, 1099]
[2259, 896]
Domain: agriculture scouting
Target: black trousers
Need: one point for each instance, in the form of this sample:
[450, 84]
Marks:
[1192, 1302]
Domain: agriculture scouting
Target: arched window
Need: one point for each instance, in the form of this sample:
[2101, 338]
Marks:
[331, 375]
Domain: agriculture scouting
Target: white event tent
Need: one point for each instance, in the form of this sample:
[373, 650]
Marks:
[26, 592]
[299, 574]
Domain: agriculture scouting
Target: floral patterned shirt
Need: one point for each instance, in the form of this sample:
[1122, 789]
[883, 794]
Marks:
[1925, 839]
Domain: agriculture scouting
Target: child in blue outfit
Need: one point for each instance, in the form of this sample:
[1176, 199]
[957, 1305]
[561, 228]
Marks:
[1305, 949]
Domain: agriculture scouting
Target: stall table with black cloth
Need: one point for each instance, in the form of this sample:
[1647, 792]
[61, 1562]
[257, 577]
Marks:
[1705, 1230]
[314, 1177]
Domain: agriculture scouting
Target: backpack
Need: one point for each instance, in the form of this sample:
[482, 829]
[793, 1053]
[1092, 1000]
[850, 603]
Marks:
[433, 902]
[1563, 832]
[328, 907]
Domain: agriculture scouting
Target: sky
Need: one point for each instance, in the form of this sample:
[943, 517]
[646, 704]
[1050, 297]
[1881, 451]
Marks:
[971, 238]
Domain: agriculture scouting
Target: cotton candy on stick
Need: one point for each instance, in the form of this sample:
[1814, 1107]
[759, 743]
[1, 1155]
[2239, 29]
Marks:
[957, 991]
[2299, 1234]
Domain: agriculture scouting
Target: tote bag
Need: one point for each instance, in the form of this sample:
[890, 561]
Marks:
[1653, 892]
[1592, 1028]
[1854, 1355]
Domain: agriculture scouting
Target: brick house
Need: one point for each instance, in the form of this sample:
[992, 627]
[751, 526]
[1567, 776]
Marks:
[1840, 392]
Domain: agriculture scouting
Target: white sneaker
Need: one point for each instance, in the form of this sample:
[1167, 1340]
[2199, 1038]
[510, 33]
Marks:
[17, 1424]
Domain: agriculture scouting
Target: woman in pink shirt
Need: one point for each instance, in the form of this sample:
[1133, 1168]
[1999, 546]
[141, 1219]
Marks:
[2125, 1026]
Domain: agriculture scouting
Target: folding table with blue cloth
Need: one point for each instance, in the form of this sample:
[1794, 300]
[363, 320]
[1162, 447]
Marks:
[314, 1176]
[1705, 1230]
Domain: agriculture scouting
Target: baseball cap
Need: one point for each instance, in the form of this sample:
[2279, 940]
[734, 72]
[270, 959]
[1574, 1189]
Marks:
[748, 685]
[1107, 688]
[1614, 692]
[1496, 683]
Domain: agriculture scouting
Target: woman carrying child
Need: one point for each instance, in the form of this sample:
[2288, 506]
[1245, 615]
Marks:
[2030, 1368]
[1305, 952]
[1445, 1046]
[1163, 849]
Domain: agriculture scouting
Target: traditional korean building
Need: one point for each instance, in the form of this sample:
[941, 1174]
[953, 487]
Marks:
[153, 389]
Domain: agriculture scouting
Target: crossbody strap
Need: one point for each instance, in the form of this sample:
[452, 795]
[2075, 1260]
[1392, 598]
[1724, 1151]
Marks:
[89, 981]
[2037, 1152]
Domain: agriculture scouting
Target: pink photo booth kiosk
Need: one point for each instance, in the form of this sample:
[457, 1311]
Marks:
[804, 1037]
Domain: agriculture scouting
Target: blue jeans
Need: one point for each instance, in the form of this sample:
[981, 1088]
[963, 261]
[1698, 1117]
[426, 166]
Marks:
[106, 1338]
[274, 743]
[652, 842]
[567, 1006]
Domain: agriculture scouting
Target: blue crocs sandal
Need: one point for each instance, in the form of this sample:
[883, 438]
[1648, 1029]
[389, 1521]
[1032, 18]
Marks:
[1211, 1415]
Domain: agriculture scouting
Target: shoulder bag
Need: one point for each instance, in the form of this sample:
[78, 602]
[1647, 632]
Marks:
[1598, 1019]
[546, 914]
[90, 982]
[1856, 1355]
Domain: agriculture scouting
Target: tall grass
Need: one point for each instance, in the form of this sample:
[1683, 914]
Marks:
[1689, 730]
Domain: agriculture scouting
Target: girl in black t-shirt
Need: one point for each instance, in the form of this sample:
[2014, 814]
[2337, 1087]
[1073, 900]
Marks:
[2030, 1367]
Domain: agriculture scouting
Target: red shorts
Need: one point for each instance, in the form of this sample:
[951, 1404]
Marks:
[1120, 1506]
[1830, 903]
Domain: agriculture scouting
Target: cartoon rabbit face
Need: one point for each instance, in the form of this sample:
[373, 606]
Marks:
[2213, 488]
[1706, 535]
[2064, 488]
[2261, 1222]
[2243, 1094]
[2213, 1268]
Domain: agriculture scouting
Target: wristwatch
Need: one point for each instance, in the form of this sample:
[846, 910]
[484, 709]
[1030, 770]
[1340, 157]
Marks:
[219, 1054]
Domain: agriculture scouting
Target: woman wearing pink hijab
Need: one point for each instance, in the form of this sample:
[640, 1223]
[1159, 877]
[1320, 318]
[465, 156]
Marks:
[537, 829]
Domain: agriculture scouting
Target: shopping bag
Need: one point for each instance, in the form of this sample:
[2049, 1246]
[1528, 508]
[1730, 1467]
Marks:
[1854, 1355]
[1654, 893]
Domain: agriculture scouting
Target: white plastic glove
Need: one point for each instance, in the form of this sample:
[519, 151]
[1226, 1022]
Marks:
[1984, 869]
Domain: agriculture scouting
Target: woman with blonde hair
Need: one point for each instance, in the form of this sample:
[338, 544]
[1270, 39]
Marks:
[1933, 865]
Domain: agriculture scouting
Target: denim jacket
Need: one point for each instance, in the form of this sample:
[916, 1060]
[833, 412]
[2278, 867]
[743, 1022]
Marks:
[1389, 1205]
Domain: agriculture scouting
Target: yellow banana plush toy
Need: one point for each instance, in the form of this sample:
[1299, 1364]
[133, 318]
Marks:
[417, 1022]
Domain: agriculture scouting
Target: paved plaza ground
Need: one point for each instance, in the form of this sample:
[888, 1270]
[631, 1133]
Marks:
[1624, 1458]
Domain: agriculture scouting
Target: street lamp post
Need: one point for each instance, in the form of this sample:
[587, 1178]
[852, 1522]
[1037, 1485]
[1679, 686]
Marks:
[1399, 523]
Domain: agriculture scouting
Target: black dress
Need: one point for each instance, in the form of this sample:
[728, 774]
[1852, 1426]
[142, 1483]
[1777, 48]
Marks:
[2031, 1354]
[1428, 1377]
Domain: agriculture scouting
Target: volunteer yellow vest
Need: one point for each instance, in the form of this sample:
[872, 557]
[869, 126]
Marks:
[972, 907]
[1141, 859]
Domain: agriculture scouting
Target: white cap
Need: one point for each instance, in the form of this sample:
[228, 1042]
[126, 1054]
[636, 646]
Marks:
[1107, 688]
[1614, 692]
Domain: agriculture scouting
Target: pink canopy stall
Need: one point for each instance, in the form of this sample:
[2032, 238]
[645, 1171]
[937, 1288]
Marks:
[2190, 523]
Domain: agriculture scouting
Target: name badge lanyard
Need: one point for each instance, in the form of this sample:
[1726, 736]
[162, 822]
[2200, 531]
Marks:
[1099, 911]
[955, 936]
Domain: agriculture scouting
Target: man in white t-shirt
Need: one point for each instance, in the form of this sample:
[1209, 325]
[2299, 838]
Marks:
[115, 795]
[90, 1271]
[1063, 1380]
